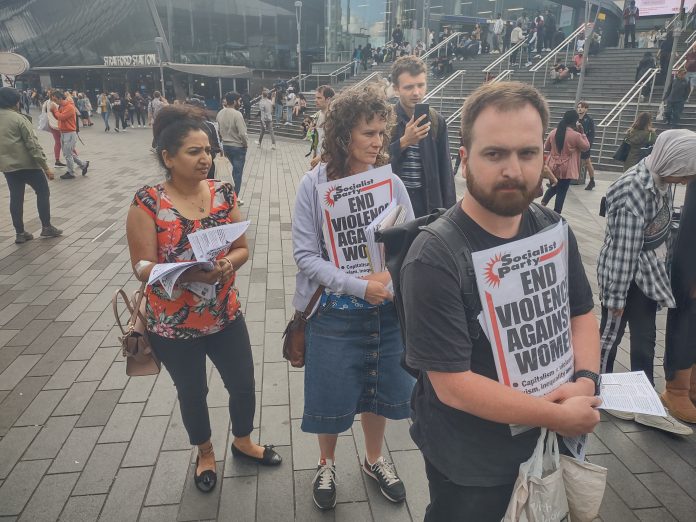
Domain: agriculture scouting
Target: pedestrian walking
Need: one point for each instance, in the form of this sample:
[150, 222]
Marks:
[565, 143]
[639, 137]
[185, 329]
[130, 109]
[140, 104]
[353, 343]
[675, 98]
[118, 107]
[290, 100]
[104, 108]
[23, 163]
[266, 108]
[462, 409]
[632, 263]
[47, 109]
[66, 114]
[234, 137]
[588, 128]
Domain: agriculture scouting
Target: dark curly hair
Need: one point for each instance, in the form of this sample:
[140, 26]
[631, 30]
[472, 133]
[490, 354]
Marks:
[346, 111]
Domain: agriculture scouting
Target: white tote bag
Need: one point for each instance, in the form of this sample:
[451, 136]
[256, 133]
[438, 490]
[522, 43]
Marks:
[223, 169]
[660, 112]
[539, 493]
[584, 486]
[43, 123]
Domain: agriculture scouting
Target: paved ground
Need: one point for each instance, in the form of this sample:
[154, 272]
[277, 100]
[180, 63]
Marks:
[81, 441]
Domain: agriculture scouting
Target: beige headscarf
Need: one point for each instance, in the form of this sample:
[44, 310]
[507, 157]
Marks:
[674, 154]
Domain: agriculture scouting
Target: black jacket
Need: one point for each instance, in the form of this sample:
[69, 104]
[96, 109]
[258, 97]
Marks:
[644, 66]
[589, 128]
[678, 91]
[438, 179]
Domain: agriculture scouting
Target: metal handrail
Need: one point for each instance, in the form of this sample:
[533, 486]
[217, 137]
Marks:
[456, 114]
[441, 88]
[499, 61]
[691, 38]
[367, 78]
[682, 59]
[442, 44]
[544, 62]
[502, 76]
[620, 107]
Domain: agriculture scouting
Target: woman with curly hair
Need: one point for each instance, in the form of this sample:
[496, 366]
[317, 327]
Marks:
[353, 341]
[186, 327]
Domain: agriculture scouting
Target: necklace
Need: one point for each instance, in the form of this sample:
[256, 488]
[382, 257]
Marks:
[199, 206]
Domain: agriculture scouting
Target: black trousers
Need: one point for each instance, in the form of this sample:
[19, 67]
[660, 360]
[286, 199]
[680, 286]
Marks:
[16, 182]
[450, 501]
[230, 351]
[680, 339]
[559, 190]
[630, 30]
[639, 313]
[417, 197]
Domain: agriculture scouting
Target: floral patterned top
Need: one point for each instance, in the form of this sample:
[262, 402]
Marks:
[186, 315]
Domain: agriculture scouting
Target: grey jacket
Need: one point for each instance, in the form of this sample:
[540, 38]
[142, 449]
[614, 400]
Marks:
[308, 242]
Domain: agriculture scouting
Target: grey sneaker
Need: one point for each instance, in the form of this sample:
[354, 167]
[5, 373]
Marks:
[51, 231]
[23, 237]
[324, 486]
[668, 423]
[623, 415]
[384, 474]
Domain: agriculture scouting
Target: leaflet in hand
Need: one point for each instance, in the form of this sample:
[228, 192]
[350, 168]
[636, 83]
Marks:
[207, 244]
[630, 392]
[167, 274]
[393, 215]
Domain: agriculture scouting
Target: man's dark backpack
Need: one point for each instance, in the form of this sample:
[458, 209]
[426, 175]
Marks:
[397, 241]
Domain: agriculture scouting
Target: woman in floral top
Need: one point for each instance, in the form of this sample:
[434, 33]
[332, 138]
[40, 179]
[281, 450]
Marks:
[184, 328]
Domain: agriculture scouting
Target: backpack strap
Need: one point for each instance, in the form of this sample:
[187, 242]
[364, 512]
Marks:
[449, 233]
[543, 217]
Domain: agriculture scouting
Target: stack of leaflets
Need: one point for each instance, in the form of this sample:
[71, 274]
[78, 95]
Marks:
[207, 244]
[393, 215]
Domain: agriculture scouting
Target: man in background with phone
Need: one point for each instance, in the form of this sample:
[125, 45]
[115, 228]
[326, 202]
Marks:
[419, 149]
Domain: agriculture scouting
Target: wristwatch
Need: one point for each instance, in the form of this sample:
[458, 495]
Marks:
[594, 377]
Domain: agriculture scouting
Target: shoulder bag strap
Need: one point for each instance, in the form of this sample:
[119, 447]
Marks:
[313, 301]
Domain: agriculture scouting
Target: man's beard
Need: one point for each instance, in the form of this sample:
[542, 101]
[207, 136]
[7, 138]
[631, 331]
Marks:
[508, 203]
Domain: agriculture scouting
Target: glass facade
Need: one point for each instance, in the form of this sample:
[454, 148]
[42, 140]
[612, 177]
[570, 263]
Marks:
[254, 33]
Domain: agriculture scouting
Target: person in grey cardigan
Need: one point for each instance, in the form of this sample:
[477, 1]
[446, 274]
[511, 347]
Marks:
[266, 107]
[353, 343]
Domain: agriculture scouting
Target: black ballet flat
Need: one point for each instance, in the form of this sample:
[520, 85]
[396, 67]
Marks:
[270, 457]
[206, 481]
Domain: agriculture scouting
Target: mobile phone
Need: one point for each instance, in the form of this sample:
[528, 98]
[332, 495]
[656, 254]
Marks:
[420, 110]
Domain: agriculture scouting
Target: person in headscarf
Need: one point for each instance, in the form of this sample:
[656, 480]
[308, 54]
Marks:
[632, 263]
[680, 340]
[566, 142]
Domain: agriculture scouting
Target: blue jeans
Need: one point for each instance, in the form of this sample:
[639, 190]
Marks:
[237, 155]
[353, 365]
[559, 190]
[288, 114]
[105, 116]
[278, 113]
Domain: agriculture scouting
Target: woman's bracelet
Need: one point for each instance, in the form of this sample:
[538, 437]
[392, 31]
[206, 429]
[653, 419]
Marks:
[230, 262]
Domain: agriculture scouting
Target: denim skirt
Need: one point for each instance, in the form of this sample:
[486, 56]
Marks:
[353, 365]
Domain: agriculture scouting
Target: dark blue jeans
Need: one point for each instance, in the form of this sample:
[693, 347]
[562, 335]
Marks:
[559, 190]
[237, 155]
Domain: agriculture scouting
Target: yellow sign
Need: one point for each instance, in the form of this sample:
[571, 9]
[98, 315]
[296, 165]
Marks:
[601, 16]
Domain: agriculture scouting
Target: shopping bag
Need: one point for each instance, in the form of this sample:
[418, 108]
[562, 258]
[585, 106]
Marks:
[621, 153]
[539, 493]
[660, 112]
[223, 169]
[584, 487]
[43, 123]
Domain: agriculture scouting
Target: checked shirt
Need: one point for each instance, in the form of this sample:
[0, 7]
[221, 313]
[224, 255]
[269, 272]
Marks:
[633, 201]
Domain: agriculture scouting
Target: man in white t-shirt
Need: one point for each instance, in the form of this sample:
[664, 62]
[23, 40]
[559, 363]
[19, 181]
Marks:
[290, 99]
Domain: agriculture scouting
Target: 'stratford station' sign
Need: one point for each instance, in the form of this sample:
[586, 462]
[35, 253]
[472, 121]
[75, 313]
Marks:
[131, 60]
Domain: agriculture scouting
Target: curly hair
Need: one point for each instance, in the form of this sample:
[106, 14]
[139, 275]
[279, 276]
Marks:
[347, 110]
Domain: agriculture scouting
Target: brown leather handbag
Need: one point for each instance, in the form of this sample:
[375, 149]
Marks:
[140, 358]
[294, 334]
